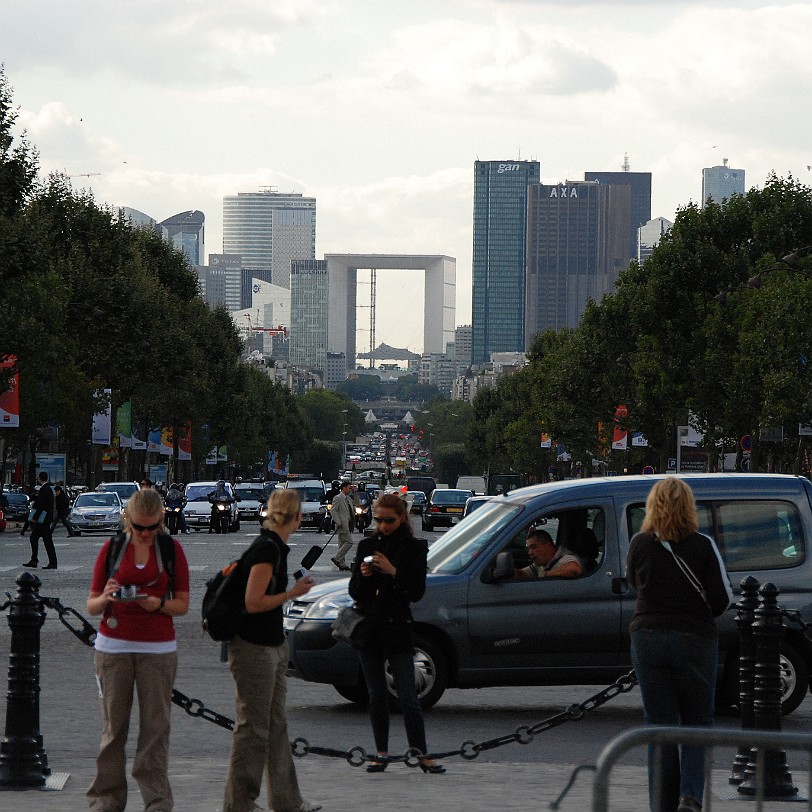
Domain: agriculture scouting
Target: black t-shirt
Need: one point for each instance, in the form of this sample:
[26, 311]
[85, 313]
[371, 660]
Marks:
[265, 628]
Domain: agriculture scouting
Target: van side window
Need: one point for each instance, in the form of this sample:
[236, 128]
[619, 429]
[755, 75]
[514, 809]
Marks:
[704, 514]
[582, 531]
[759, 535]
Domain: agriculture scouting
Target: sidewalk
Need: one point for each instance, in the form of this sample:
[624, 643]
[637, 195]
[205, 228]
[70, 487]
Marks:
[198, 787]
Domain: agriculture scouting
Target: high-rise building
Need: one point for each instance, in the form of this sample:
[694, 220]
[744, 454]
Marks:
[462, 345]
[649, 234]
[640, 185]
[720, 183]
[499, 255]
[308, 313]
[186, 232]
[577, 244]
[224, 281]
[269, 230]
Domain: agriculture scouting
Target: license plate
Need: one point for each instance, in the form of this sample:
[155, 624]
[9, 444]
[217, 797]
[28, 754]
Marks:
[94, 522]
[455, 510]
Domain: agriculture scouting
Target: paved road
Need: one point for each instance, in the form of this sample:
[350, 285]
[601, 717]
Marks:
[510, 777]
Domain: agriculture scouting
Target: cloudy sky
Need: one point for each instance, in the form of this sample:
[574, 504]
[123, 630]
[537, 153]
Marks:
[380, 108]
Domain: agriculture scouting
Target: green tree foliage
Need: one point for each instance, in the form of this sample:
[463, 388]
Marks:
[331, 414]
[361, 387]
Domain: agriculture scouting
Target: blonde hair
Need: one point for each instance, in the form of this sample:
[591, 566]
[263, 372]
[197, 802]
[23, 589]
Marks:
[671, 510]
[146, 502]
[283, 507]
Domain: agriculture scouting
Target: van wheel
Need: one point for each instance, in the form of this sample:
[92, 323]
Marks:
[430, 674]
[794, 680]
[354, 693]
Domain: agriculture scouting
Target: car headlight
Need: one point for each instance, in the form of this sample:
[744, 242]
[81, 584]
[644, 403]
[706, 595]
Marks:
[328, 607]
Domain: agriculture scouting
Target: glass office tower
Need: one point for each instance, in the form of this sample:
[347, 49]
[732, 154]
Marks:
[500, 236]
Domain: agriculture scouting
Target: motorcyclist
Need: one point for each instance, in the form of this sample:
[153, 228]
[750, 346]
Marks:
[362, 499]
[175, 498]
[335, 488]
[218, 496]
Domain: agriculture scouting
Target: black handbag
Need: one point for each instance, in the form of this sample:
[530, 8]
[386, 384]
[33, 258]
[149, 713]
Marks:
[351, 627]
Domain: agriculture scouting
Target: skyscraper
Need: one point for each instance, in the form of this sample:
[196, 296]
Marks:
[640, 185]
[500, 232]
[577, 244]
[186, 233]
[270, 229]
[719, 183]
[308, 313]
[649, 234]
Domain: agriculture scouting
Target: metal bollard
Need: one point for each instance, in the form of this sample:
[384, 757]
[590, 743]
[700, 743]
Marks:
[768, 629]
[23, 761]
[745, 615]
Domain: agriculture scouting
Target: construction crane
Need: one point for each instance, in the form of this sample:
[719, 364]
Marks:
[82, 174]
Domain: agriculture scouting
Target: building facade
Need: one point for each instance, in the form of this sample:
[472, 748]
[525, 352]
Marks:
[462, 345]
[309, 290]
[649, 234]
[186, 233]
[720, 183]
[639, 184]
[577, 244]
[499, 255]
[269, 230]
[224, 281]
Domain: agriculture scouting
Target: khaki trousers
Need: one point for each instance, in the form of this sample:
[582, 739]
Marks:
[152, 676]
[260, 730]
[344, 545]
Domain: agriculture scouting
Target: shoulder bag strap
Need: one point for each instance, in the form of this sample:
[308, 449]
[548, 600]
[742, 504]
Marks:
[688, 572]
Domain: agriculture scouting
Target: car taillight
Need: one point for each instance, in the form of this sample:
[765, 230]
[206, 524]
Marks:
[434, 509]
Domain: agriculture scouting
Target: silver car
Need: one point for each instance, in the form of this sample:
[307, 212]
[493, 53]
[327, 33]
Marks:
[98, 512]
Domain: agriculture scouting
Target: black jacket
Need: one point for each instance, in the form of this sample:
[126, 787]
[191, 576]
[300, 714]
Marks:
[44, 500]
[385, 600]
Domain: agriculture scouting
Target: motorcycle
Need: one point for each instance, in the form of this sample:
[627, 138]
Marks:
[172, 514]
[221, 515]
[363, 511]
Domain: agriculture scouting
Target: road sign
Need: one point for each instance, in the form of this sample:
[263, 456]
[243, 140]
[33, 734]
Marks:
[746, 443]
[649, 469]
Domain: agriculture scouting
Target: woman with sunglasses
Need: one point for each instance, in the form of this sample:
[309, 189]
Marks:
[136, 649]
[389, 574]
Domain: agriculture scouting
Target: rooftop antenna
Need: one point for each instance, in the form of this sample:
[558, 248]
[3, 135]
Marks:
[625, 167]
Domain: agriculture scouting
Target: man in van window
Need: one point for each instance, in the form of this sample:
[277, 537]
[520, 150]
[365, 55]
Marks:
[547, 560]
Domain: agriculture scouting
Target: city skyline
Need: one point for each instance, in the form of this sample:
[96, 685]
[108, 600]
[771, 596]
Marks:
[379, 112]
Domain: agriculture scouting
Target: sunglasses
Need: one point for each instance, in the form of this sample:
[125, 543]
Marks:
[385, 519]
[142, 528]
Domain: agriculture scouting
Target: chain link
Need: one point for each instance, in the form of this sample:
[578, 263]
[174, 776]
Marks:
[357, 756]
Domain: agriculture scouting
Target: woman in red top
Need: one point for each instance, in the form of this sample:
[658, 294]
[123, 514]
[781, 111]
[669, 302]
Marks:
[136, 649]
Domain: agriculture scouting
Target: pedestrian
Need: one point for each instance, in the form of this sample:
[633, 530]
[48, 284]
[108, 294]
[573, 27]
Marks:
[145, 484]
[62, 509]
[136, 650]
[258, 659]
[41, 518]
[343, 513]
[681, 586]
[389, 574]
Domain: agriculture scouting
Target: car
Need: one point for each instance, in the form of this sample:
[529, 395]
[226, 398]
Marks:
[314, 501]
[421, 483]
[473, 503]
[250, 497]
[124, 490]
[444, 507]
[416, 500]
[96, 512]
[18, 506]
[374, 490]
[197, 510]
[476, 626]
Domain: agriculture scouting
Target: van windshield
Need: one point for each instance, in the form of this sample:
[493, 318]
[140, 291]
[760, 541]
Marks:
[465, 542]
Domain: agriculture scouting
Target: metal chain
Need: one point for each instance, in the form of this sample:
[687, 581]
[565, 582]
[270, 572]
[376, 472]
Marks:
[357, 756]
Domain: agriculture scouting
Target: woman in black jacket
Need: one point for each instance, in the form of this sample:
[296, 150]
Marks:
[389, 574]
[681, 587]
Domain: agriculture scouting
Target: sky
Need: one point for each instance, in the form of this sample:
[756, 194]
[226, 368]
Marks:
[379, 108]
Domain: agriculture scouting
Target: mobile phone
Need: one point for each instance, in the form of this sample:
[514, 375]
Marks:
[300, 573]
[369, 559]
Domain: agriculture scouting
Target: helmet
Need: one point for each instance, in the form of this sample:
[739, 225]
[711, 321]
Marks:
[362, 486]
[174, 487]
[336, 483]
[221, 483]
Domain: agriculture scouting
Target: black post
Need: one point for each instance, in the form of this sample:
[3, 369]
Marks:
[745, 615]
[768, 629]
[23, 761]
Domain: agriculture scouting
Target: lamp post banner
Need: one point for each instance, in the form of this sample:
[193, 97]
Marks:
[10, 399]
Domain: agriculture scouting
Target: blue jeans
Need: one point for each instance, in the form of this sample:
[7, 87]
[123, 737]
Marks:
[402, 667]
[677, 675]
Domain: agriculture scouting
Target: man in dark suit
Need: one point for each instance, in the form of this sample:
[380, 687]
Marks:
[43, 508]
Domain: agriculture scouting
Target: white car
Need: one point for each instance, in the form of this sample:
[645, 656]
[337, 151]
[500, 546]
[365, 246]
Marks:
[250, 498]
[124, 490]
[314, 500]
[197, 510]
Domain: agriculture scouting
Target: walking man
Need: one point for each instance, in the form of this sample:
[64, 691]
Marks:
[342, 513]
[43, 516]
[62, 507]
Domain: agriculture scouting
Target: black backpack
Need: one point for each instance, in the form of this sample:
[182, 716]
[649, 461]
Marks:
[166, 547]
[224, 600]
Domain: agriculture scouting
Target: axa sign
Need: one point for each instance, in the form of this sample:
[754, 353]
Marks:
[563, 191]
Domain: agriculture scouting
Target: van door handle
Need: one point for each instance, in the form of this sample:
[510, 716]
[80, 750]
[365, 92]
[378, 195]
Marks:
[620, 586]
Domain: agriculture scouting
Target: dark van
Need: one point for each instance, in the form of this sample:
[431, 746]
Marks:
[478, 627]
[421, 483]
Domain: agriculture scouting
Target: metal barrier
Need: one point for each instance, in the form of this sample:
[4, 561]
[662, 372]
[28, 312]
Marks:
[760, 741]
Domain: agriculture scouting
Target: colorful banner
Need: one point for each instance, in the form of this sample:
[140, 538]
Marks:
[101, 422]
[639, 440]
[154, 444]
[109, 459]
[10, 399]
[546, 441]
[139, 434]
[620, 439]
[185, 442]
[124, 425]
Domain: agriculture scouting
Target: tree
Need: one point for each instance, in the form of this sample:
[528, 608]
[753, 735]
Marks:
[331, 414]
